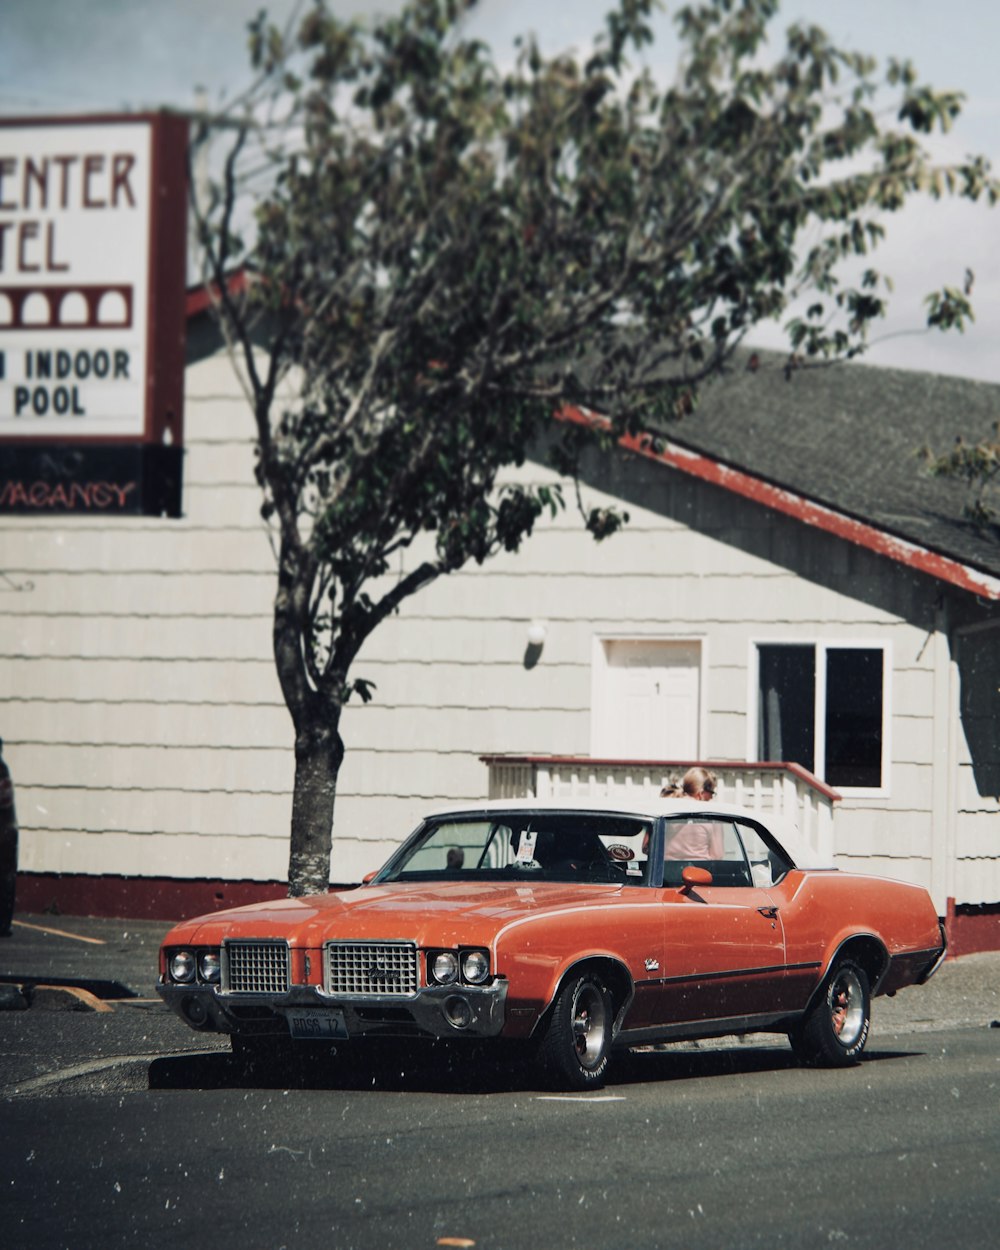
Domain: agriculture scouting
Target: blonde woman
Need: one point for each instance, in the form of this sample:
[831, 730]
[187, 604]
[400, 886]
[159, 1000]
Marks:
[696, 840]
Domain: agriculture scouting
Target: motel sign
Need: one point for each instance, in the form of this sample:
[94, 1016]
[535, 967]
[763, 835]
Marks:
[92, 272]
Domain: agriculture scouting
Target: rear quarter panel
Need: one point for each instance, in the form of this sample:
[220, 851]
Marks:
[821, 911]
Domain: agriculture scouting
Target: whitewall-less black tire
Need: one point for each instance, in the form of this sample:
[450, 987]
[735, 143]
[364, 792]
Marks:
[834, 1031]
[577, 1042]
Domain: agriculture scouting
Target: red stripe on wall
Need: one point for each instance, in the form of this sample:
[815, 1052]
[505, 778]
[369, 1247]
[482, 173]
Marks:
[137, 898]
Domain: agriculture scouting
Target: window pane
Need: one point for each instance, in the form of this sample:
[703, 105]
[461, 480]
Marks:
[767, 864]
[708, 842]
[853, 716]
[786, 704]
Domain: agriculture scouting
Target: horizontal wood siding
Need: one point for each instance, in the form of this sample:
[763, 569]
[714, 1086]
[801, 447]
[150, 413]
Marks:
[141, 714]
[147, 735]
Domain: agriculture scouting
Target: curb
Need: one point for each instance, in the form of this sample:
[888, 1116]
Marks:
[15, 997]
[12, 999]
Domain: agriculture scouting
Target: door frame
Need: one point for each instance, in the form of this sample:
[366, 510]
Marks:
[598, 678]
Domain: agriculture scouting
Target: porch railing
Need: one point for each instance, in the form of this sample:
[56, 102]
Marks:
[783, 789]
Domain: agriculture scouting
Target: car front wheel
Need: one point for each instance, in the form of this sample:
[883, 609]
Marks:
[834, 1031]
[575, 1048]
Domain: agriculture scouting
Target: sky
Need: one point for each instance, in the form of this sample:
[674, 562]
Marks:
[73, 56]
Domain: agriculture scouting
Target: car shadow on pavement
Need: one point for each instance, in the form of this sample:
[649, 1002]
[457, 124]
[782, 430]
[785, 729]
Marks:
[456, 1070]
[420, 1068]
[641, 1066]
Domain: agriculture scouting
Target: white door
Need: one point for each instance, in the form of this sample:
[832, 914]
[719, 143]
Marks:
[646, 699]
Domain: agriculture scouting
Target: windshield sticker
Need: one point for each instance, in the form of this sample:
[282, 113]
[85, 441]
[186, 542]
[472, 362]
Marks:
[620, 852]
[526, 846]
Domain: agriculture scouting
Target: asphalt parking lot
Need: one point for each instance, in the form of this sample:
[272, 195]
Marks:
[124, 1127]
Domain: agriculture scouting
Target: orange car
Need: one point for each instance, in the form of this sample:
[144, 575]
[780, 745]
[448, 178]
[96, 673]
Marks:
[571, 928]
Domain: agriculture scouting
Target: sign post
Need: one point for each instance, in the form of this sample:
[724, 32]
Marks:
[93, 215]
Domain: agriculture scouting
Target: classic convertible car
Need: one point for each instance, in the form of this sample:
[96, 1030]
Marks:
[571, 929]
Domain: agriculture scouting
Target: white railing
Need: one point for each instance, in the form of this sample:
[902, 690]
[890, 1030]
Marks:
[785, 790]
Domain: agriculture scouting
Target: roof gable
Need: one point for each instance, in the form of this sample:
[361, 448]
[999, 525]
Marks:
[838, 448]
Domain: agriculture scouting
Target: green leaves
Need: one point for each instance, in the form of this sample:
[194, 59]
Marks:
[926, 109]
[446, 249]
[948, 309]
[978, 465]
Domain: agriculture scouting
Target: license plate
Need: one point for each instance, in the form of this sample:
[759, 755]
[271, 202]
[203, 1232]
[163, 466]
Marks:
[316, 1025]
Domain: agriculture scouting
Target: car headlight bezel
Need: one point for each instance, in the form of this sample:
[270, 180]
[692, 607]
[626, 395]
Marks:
[465, 966]
[210, 966]
[182, 966]
[475, 966]
[442, 967]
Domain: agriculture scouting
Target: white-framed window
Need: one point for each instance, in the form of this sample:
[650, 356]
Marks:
[824, 705]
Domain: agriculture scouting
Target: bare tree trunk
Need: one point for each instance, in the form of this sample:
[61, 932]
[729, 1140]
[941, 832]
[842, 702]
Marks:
[319, 753]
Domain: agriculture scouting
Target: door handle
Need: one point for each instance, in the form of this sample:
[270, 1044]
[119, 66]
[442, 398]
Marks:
[768, 912]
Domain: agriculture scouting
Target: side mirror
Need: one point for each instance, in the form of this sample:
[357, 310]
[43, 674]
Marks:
[692, 876]
[369, 876]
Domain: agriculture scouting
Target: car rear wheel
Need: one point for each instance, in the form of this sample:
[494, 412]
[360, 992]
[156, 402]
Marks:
[575, 1047]
[834, 1031]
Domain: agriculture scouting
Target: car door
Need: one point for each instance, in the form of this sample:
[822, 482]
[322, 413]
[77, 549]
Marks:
[724, 945]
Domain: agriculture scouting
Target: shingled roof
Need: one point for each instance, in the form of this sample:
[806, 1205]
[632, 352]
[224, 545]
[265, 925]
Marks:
[848, 437]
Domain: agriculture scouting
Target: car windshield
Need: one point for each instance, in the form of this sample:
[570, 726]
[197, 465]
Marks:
[536, 846]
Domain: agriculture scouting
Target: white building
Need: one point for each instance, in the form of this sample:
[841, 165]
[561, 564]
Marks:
[789, 588]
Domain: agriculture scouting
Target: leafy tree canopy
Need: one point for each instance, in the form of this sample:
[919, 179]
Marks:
[442, 253]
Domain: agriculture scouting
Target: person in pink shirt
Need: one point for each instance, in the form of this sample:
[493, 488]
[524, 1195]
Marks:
[695, 840]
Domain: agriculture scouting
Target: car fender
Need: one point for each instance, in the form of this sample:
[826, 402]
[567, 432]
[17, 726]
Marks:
[866, 949]
[537, 957]
[611, 970]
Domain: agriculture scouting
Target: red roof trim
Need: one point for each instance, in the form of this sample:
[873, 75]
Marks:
[201, 297]
[791, 504]
[590, 762]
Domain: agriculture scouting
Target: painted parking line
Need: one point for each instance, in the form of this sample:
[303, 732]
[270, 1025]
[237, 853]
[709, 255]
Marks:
[579, 1098]
[76, 937]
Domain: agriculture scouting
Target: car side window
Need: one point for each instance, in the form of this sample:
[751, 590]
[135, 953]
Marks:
[704, 841]
[767, 865]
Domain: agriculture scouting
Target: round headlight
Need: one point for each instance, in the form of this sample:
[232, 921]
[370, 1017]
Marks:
[475, 966]
[182, 966]
[444, 967]
[209, 968]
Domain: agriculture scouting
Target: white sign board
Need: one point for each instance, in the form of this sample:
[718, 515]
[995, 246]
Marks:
[75, 213]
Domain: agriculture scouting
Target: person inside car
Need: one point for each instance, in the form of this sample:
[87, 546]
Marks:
[696, 839]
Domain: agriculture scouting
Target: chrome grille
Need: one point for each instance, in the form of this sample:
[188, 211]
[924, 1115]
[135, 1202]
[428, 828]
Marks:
[255, 967]
[353, 968]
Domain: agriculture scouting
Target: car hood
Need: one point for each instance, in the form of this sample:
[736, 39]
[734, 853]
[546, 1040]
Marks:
[428, 913]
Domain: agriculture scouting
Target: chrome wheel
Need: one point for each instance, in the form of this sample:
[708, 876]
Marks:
[834, 1029]
[847, 1007]
[576, 1041]
[589, 1024]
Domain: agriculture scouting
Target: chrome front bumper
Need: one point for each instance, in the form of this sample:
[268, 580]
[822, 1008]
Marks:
[431, 1012]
